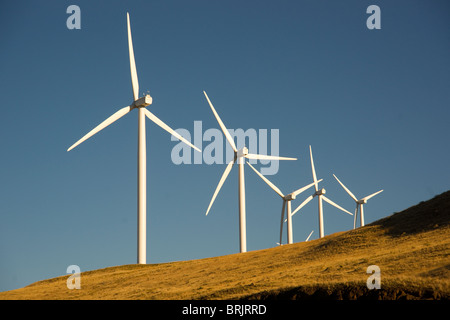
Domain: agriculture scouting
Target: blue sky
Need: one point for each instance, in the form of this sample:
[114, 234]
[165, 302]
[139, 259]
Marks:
[373, 104]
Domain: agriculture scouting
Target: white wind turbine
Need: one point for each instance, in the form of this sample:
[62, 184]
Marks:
[286, 204]
[307, 239]
[239, 156]
[320, 195]
[359, 203]
[139, 103]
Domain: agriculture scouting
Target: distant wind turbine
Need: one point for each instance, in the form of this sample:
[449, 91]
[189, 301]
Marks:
[359, 203]
[307, 239]
[239, 156]
[320, 195]
[286, 204]
[140, 104]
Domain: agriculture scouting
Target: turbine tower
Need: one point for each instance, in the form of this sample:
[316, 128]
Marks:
[139, 103]
[286, 204]
[239, 156]
[359, 203]
[320, 193]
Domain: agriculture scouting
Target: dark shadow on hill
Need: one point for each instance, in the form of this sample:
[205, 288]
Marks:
[345, 291]
[440, 272]
[425, 216]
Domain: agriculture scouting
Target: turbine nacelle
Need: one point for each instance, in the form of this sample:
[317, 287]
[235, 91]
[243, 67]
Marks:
[142, 101]
[242, 152]
[289, 197]
[362, 201]
[320, 192]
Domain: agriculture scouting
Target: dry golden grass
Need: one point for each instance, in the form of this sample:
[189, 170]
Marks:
[411, 248]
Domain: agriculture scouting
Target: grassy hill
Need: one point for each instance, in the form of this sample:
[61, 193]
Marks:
[412, 249]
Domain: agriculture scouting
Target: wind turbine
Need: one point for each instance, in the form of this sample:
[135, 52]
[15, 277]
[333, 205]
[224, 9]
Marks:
[307, 239]
[239, 156]
[359, 203]
[139, 103]
[320, 193]
[286, 204]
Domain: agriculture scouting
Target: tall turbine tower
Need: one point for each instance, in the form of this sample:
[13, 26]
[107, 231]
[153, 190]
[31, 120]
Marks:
[139, 103]
[359, 203]
[239, 156]
[286, 205]
[320, 193]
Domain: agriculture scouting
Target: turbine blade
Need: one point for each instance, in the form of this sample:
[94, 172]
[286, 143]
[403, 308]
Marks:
[345, 188]
[134, 78]
[303, 204]
[296, 193]
[222, 126]
[313, 170]
[270, 184]
[282, 221]
[266, 157]
[309, 236]
[372, 195]
[158, 121]
[337, 206]
[103, 125]
[221, 181]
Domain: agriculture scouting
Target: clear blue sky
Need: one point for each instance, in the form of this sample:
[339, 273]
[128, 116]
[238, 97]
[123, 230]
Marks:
[374, 105]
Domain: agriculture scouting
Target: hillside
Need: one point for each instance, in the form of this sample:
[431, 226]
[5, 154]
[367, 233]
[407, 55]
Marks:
[412, 249]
